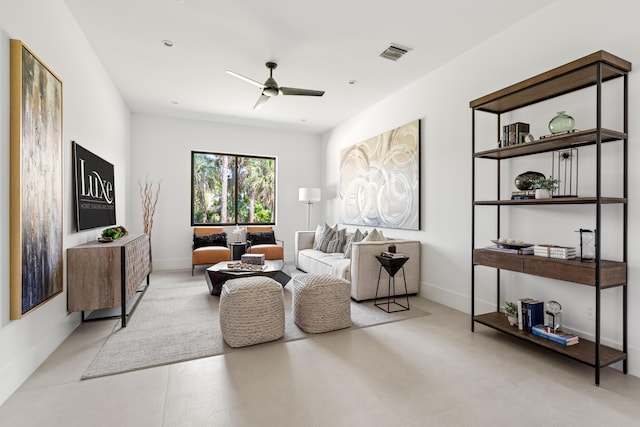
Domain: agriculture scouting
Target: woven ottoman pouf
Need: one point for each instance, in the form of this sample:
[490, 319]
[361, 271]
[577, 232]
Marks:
[321, 302]
[251, 311]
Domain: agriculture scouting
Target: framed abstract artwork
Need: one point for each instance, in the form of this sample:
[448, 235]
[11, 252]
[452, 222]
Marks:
[36, 198]
[380, 180]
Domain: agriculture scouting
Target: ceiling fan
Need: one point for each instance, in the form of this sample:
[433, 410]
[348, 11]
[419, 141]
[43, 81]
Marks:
[270, 87]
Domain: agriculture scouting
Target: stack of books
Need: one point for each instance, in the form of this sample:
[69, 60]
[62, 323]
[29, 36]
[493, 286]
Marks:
[530, 313]
[523, 195]
[553, 251]
[387, 254]
[560, 337]
[514, 134]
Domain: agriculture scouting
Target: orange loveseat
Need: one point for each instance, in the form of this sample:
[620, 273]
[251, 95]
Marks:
[208, 255]
[271, 251]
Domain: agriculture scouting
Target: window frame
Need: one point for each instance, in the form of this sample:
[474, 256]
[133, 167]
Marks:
[235, 189]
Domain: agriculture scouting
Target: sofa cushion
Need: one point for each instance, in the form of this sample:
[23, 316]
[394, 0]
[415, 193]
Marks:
[262, 238]
[215, 239]
[314, 261]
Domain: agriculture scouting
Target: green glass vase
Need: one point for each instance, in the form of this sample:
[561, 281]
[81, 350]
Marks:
[561, 123]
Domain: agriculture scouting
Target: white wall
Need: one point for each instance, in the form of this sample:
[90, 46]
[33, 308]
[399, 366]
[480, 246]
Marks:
[161, 150]
[95, 117]
[562, 32]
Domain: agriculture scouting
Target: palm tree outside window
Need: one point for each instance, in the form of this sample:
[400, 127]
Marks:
[232, 189]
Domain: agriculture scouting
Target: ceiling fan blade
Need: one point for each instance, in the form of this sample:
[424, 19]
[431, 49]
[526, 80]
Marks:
[263, 98]
[303, 92]
[246, 79]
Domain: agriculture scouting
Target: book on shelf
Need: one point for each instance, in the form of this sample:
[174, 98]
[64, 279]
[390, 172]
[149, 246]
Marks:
[387, 254]
[522, 251]
[522, 312]
[559, 337]
[535, 314]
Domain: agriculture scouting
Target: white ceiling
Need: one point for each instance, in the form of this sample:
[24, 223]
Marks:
[317, 44]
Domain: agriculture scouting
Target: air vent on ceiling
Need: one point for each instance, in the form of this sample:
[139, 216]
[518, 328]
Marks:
[394, 52]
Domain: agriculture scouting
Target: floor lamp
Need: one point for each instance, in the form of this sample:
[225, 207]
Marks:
[309, 195]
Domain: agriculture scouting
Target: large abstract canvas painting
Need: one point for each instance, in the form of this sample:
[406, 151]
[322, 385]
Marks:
[380, 180]
[36, 182]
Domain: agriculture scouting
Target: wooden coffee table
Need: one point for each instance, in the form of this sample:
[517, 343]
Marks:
[219, 273]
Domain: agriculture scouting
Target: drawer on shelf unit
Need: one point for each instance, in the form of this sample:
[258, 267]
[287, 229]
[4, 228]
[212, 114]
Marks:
[498, 260]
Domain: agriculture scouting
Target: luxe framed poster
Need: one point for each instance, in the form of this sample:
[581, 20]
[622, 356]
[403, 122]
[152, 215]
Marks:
[36, 198]
[380, 180]
[95, 190]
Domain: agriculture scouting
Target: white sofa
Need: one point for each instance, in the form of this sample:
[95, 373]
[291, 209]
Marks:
[362, 268]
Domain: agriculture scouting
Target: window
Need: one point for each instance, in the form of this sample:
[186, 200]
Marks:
[232, 189]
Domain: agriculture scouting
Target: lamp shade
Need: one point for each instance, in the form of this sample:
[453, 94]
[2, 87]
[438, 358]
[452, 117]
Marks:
[309, 194]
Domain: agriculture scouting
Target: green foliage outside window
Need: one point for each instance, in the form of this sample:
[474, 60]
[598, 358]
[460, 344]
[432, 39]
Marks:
[232, 189]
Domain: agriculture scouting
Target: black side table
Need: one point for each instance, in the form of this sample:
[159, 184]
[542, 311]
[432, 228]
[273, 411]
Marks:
[237, 250]
[392, 266]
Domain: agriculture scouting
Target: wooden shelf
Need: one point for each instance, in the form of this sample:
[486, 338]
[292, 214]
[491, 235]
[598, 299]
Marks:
[552, 143]
[588, 71]
[612, 273]
[583, 352]
[553, 201]
[570, 77]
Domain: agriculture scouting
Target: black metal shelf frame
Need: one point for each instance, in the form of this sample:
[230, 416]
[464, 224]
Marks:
[603, 71]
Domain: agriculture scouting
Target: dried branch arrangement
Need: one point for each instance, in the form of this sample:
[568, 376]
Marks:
[149, 198]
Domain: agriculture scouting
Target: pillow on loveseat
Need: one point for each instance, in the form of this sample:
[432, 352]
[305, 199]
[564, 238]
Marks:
[262, 238]
[215, 239]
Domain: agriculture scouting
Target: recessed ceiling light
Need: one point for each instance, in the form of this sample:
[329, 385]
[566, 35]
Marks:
[167, 43]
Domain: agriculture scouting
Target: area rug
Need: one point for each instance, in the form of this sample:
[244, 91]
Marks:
[177, 320]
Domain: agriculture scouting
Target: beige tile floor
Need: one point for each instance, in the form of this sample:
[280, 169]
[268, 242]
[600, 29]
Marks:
[428, 371]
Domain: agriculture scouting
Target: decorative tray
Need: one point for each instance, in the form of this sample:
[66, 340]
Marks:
[512, 244]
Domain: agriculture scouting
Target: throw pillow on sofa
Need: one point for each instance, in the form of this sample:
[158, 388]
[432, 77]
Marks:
[375, 236]
[215, 239]
[356, 237]
[327, 237]
[262, 238]
[321, 231]
[334, 245]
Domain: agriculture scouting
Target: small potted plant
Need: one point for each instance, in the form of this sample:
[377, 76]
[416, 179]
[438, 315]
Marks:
[544, 187]
[113, 233]
[511, 310]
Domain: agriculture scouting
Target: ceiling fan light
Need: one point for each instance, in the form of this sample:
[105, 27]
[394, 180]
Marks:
[270, 91]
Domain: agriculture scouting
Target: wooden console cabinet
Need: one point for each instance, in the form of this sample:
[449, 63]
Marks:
[107, 275]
